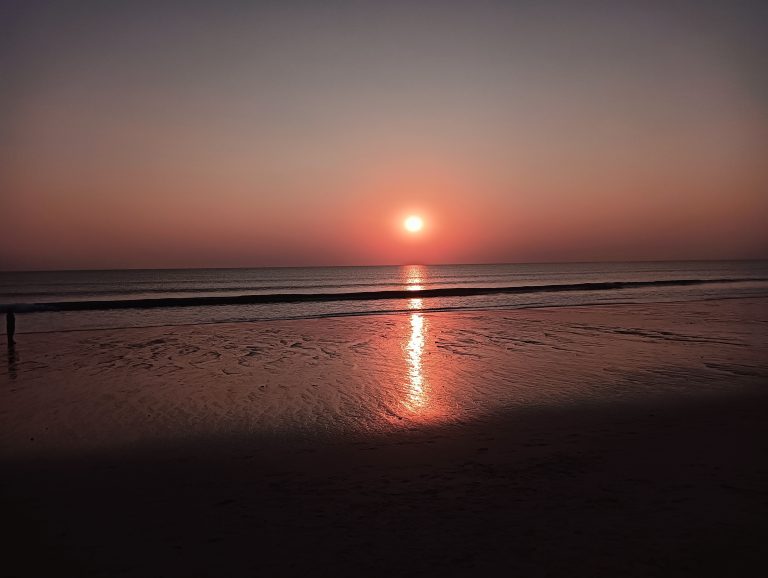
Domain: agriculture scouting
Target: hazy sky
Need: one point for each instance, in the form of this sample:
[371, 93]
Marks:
[179, 134]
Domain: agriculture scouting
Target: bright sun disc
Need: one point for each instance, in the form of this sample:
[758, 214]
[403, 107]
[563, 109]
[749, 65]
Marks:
[413, 223]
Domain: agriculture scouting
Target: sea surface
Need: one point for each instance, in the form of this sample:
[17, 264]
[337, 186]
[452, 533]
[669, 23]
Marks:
[720, 280]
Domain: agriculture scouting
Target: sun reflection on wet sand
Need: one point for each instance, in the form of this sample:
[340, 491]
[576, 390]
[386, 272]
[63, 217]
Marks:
[417, 397]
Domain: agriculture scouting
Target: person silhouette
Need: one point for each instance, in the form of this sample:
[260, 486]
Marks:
[10, 326]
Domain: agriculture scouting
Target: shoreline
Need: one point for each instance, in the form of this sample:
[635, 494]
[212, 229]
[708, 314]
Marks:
[408, 311]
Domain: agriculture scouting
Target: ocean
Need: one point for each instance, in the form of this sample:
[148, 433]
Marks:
[150, 297]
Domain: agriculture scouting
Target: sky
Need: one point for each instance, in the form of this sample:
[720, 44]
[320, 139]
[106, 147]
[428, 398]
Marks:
[236, 134]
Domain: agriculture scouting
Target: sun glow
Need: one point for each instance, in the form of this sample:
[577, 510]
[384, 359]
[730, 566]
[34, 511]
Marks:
[413, 224]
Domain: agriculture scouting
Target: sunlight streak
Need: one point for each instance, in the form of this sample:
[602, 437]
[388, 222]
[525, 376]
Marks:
[414, 277]
[416, 400]
[417, 397]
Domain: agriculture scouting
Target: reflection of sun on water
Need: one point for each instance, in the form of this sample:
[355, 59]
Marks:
[417, 395]
[414, 276]
[416, 400]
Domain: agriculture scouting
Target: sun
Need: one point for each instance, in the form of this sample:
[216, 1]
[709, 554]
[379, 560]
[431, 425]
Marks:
[413, 224]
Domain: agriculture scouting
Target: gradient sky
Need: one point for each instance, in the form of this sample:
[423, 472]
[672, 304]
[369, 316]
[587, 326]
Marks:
[186, 134]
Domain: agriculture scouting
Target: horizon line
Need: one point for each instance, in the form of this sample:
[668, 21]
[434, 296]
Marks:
[566, 262]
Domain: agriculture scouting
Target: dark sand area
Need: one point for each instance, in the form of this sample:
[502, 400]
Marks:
[646, 456]
[662, 490]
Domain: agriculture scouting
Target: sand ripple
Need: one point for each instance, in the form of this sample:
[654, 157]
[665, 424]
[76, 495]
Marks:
[340, 375]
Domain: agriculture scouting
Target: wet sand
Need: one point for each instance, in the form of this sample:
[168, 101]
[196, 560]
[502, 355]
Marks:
[588, 441]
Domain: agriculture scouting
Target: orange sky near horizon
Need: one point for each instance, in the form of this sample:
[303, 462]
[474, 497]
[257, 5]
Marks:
[264, 135]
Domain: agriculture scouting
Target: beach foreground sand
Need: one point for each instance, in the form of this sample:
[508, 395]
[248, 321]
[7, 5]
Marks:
[624, 440]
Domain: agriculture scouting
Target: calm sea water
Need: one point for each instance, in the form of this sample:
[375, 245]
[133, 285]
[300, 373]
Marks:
[54, 286]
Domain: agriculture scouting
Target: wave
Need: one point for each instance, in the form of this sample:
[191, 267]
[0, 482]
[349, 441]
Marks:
[223, 289]
[272, 298]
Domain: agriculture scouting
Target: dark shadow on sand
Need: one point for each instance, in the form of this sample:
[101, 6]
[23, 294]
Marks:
[654, 490]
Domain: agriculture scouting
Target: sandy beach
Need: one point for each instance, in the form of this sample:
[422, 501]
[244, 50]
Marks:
[620, 440]
[383, 289]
